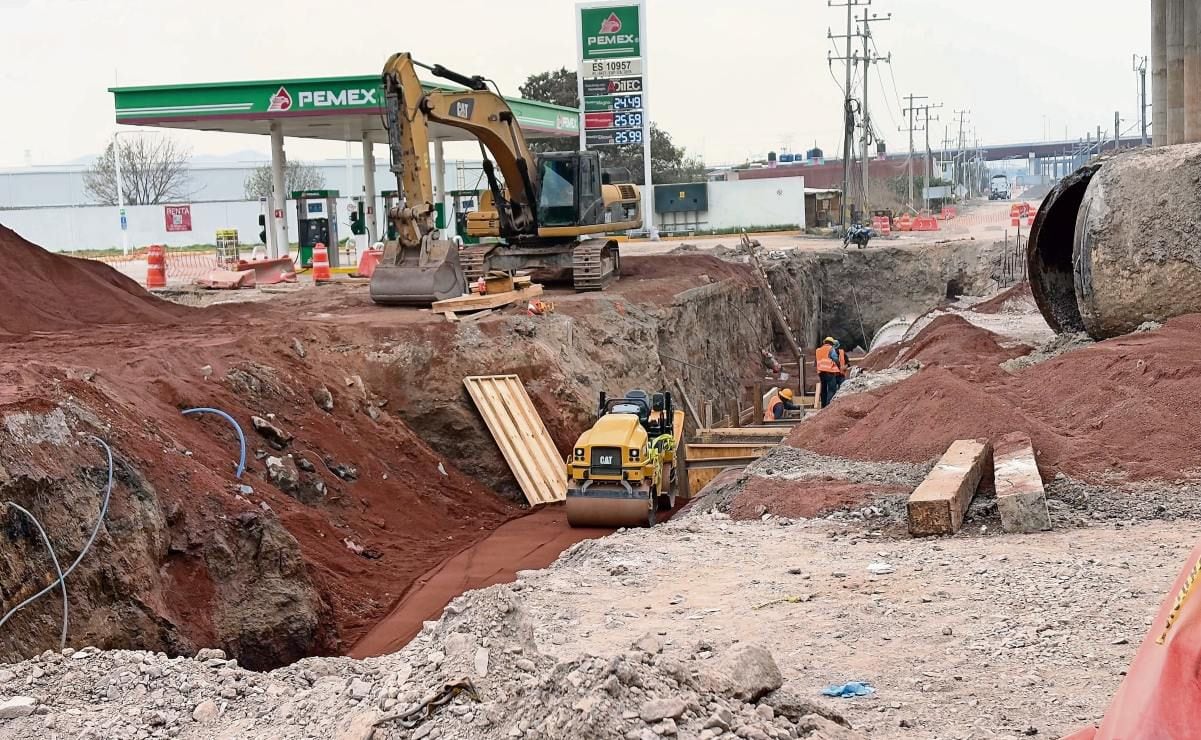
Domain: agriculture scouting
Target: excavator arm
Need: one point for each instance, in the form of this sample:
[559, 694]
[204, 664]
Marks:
[478, 111]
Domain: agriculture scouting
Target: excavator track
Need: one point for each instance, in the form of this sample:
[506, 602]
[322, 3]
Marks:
[474, 261]
[595, 265]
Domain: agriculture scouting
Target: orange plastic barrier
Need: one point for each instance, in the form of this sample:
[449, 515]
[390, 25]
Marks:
[321, 273]
[1162, 690]
[882, 225]
[904, 223]
[368, 262]
[156, 266]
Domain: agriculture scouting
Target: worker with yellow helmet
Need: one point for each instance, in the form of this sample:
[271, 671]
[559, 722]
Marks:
[831, 368]
[778, 405]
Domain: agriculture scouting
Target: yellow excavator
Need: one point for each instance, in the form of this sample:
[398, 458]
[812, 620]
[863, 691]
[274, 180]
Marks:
[545, 212]
[624, 469]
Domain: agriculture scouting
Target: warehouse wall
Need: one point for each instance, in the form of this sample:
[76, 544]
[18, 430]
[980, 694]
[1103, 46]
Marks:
[745, 204]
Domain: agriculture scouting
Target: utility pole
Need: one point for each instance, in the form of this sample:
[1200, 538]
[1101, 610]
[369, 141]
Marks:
[1140, 70]
[848, 113]
[868, 59]
[911, 109]
[928, 162]
[1117, 130]
[962, 114]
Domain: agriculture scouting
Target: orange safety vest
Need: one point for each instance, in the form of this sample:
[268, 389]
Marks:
[842, 362]
[768, 408]
[824, 363]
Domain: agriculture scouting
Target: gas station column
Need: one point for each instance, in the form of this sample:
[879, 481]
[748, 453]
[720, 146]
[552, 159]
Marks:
[369, 188]
[280, 247]
[440, 182]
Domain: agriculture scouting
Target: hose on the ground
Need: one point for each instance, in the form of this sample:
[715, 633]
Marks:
[62, 575]
[237, 428]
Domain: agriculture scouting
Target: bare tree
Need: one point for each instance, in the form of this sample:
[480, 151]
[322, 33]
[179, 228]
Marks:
[154, 169]
[297, 176]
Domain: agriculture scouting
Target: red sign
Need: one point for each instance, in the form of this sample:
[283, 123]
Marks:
[279, 213]
[598, 120]
[178, 218]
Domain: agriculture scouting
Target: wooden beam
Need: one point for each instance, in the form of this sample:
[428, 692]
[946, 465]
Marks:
[696, 418]
[481, 302]
[777, 313]
[938, 505]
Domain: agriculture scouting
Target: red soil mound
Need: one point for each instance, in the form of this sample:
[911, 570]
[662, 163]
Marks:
[1127, 405]
[947, 341]
[678, 266]
[797, 499]
[996, 304]
[50, 292]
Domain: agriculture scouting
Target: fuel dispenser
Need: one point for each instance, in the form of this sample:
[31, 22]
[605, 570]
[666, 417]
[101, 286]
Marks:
[316, 219]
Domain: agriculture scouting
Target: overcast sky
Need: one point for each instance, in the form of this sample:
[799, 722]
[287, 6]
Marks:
[729, 80]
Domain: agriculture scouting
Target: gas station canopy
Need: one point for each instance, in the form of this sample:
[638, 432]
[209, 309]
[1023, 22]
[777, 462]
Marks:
[332, 108]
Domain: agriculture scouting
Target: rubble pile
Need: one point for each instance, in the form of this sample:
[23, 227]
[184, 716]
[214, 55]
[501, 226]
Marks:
[476, 673]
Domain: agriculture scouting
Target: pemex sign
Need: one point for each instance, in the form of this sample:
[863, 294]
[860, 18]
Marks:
[610, 31]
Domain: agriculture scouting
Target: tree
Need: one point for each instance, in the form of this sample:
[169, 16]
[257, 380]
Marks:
[297, 176]
[154, 169]
[669, 163]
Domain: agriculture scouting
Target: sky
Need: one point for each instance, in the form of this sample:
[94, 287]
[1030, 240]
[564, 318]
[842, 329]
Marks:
[728, 80]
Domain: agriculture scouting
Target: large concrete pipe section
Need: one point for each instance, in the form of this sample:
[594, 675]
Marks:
[1118, 243]
[1159, 72]
[1176, 15]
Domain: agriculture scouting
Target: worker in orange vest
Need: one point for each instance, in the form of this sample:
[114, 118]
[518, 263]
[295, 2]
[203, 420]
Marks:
[780, 403]
[843, 364]
[829, 369]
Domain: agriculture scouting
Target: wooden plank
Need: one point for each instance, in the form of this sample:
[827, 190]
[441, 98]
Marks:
[698, 452]
[937, 505]
[696, 419]
[521, 436]
[481, 302]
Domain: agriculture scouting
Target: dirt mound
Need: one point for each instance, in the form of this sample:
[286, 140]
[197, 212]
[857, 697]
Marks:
[1124, 407]
[50, 292]
[948, 340]
[804, 499]
[1018, 294]
[676, 266]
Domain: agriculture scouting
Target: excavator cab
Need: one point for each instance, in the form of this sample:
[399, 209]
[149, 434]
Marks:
[570, 189]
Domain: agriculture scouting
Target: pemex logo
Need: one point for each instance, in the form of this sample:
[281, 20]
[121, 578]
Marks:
[280, 101]
[612, 24]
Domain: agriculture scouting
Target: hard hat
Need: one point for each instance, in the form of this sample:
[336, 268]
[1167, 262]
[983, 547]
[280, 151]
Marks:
[786, 394]
[829, 340]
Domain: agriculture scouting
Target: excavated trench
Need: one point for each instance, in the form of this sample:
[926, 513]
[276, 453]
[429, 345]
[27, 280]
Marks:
[392, 477]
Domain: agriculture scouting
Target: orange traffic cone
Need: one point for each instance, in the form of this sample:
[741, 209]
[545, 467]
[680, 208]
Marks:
[321, 272]
[156, 267]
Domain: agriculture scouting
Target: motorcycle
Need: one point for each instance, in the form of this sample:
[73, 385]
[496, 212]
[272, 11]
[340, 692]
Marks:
[858, 234]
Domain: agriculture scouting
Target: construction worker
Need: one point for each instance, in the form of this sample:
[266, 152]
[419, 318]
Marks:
[829, 369]
[778, 405]
[843, 364]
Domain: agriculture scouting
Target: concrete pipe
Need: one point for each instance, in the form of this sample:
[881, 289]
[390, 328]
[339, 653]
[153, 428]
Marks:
[1118, 243]
[892, 332]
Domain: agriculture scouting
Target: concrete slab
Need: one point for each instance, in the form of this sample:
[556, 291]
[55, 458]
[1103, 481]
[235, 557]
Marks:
[938, 504]
[1021, 499]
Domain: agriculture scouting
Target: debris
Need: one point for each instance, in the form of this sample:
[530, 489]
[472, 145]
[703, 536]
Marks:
[324, 399]
[799, 599]
[881, 568]
[18, 706]
[849, 690]
[276, 437]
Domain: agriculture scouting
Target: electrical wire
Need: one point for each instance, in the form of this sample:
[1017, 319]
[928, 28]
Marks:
[57, 569]
[237, 428]
[62, 575]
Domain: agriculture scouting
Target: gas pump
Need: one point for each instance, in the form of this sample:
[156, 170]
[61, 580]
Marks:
[316, 219]
[391, 200]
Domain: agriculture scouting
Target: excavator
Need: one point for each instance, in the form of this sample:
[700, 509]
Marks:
[547, 213]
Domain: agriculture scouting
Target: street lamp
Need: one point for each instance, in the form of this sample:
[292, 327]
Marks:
[120, 191]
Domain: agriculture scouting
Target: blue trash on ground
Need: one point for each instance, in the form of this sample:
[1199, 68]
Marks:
[849, 689]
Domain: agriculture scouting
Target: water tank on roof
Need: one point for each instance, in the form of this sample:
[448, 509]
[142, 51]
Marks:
[814, 153]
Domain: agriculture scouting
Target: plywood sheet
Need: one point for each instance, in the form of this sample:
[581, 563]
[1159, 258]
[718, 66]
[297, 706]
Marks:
[520, 435]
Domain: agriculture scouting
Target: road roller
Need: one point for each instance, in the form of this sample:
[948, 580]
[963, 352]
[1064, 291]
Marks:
[623, 470]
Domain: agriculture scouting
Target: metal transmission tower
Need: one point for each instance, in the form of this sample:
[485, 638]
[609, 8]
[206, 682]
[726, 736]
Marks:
[848, 112]
[960, 164]
[1140, 71]
[868, 59]
[911, 109]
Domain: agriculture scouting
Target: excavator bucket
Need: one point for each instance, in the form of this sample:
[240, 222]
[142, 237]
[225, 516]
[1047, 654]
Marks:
[409, 276]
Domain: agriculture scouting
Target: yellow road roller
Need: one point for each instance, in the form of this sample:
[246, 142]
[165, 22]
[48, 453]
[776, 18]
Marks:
[623, 470]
